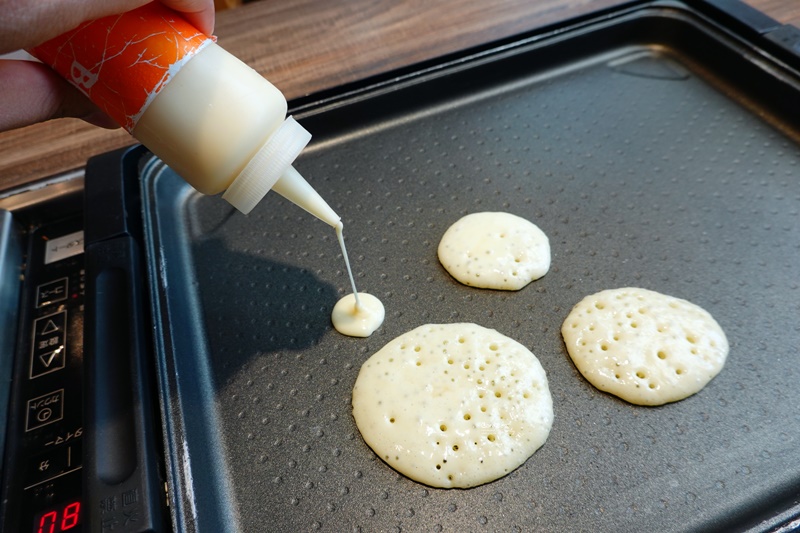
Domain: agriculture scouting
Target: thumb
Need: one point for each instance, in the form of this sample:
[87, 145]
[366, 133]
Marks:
[32, 92]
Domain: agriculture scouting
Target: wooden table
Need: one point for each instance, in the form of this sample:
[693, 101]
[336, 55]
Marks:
[303, 46]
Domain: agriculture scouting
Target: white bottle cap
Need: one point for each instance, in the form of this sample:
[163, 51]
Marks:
[267, 166]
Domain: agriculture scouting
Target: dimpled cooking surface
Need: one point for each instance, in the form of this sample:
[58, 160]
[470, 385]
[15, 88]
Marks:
[642, 174]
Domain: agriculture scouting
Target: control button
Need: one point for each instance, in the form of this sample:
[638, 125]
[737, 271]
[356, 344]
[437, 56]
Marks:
[52, 292]
[49, 344]
[53, 463]
[44, 410]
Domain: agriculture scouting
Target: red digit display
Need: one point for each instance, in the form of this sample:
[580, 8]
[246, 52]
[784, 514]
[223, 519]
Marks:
[71, 516]
[59, 519]
[47, 523]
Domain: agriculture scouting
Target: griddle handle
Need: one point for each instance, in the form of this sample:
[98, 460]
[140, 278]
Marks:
[113, 408]
[123, 481]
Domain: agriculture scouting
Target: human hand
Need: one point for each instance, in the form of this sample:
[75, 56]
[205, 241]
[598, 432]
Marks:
[31, 92]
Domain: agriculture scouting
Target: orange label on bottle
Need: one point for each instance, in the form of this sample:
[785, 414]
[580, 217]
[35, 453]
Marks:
[121, 62]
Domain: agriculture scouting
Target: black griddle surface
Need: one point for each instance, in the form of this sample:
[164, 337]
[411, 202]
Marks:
[645, 166]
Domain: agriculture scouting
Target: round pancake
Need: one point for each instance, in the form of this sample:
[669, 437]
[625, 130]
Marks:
[358, 320]
[644, 347]
[453, 405]
[495, 251]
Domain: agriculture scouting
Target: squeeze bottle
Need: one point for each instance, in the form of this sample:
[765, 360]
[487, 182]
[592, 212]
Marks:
[211, 118]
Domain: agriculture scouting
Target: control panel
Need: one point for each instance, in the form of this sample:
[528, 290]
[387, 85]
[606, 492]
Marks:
[43, 451]
[81, 446]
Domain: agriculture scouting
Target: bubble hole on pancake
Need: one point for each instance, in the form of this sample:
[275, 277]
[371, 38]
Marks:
[453, 405]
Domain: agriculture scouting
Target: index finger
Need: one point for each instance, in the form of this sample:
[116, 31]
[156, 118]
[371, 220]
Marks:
[27, 23]
[199, 12]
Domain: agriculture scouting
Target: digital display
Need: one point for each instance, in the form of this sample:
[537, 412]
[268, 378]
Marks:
[64, 517]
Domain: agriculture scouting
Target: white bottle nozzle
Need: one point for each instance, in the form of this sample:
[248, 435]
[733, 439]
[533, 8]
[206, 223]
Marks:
[294, 188]
[271, 168]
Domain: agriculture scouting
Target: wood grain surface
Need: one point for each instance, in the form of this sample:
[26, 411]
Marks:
[304, 46]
